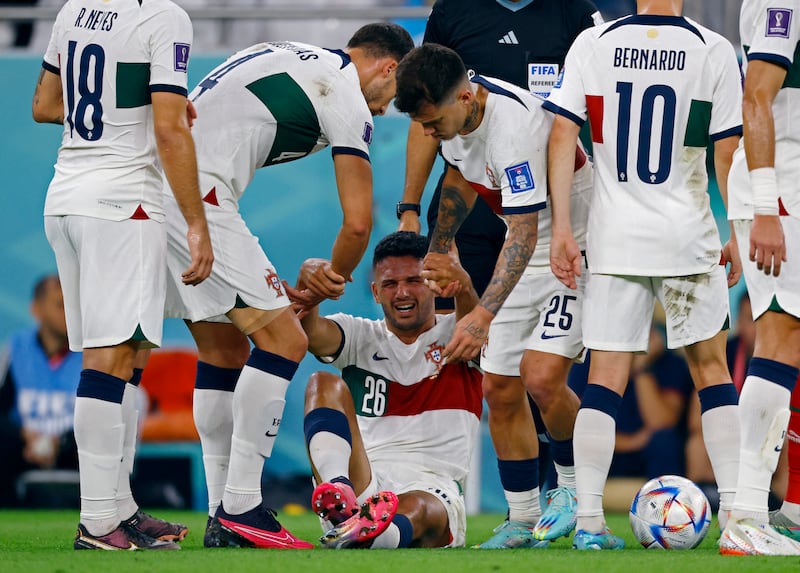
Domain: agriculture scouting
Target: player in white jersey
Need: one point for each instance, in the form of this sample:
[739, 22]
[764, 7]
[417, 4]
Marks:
[764, 208]
[398, 418]
[114, 75]
[494, 142]
[656, 89]
[268, 104]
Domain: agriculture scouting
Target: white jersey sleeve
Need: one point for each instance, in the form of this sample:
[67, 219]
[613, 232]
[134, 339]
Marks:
[170, 44]
[568, 97]
[347, 127]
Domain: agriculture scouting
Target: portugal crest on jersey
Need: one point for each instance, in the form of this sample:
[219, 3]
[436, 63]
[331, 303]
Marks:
[274, 282]
[434, 354]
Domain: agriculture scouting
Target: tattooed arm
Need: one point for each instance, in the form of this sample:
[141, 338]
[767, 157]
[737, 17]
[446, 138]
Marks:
[48, 103]
[455, 203]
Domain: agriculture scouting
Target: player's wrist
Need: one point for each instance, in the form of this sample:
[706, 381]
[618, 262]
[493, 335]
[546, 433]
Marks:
[403, 209]
[764, 184]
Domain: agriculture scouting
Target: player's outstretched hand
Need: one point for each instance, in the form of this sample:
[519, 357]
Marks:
[730, 255]
[201, 253]
[302, 299]
[767, 245]
[565, 259]
[443, 274]
[469, 335]
[319, 277]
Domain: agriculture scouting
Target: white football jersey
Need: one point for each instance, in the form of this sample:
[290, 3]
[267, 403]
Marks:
[656, 91]
[505, 161]
[770, 33]
[412, 410]
[272, 103]
[111, 56]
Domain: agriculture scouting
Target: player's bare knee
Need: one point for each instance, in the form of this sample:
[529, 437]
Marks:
[503, 392]
[325, 389]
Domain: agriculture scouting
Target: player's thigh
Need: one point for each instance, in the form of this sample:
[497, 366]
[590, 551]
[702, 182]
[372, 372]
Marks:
[766, 291]
[69, 276]
[121, 278]
[696, 307]
[617, 313]
[242, 275]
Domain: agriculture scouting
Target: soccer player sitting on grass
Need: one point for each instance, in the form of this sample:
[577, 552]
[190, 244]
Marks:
[400, 417]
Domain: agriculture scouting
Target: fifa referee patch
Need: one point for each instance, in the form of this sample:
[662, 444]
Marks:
[520, 178]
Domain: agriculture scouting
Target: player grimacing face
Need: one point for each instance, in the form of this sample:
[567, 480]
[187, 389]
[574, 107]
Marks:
[399, 288]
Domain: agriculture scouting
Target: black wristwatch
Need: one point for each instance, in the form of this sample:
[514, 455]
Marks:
[403, 207]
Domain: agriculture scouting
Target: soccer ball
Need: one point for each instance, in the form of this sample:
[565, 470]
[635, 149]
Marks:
[670, 512]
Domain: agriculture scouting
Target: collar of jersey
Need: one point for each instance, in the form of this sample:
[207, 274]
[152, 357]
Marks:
[342, 54]
[514, 6]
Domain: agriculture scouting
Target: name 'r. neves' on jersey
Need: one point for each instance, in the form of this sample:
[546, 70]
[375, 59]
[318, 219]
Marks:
[96, 19]
[644, 59]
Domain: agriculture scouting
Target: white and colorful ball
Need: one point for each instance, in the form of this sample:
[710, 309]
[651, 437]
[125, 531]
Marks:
[670, 512]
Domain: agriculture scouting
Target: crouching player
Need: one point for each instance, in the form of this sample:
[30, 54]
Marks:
[399, 418]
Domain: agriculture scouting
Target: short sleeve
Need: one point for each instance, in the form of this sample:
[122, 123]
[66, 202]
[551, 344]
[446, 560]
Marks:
[51, 61]
[346, 123]
[568, 97]
[777, 36]
[726, 109]
[170, 44]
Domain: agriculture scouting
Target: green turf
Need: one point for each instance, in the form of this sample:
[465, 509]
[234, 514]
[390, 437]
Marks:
[32, 541]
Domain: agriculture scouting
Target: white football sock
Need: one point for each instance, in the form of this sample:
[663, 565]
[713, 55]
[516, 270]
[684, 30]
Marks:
[593, 442]
[99, 435]
[722, 438]
[763, 407]
[389, 539]
[330, 454]
[566, 475]
[524, 505]
[258, 403]
[126, 505]
[213, 417]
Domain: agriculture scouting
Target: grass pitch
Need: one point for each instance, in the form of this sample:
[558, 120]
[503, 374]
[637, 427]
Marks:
[32, 541]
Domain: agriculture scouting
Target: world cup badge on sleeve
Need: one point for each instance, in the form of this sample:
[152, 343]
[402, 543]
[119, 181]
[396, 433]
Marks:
[779, 21]
[181, 56]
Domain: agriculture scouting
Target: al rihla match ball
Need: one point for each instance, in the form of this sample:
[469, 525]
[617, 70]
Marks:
[670, 512]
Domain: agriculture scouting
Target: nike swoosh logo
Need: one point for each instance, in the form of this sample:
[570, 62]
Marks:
[455, 159]
[271, 435]
[377, 357]
[279, 538]
[546, 336]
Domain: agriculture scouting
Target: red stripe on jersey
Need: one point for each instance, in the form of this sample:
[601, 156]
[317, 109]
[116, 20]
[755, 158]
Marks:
[594, 106]
[457, 387]
[781, 209]
[491, 196]
[580, 160]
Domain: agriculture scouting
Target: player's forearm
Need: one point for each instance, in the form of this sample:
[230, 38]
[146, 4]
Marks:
[560, 171]
[466, 299]
[324, 337]
[48, 103]
[453, 210]
[759, 130]
[349, 247]
[723, 157]
[177, 154]
[513, 260]
[420, 157]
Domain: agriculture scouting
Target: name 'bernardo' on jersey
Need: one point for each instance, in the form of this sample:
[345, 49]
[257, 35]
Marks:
[97, 19]
[643, 59]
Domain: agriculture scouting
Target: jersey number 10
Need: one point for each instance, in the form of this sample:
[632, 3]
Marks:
[644, 146]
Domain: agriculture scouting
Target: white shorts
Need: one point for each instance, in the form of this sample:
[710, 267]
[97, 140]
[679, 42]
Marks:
[539, 314]
[241, 271]
[618, 310]
[762, 288]
[113, 275]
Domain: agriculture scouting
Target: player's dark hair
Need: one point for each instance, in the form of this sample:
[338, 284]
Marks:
[382, 39]
[41, 286]
[400, 244]
[427, 75]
